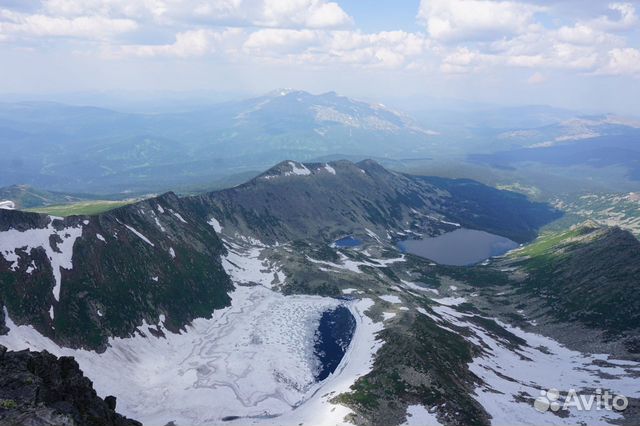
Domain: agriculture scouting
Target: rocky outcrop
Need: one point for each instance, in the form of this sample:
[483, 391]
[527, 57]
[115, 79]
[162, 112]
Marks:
[38, 389]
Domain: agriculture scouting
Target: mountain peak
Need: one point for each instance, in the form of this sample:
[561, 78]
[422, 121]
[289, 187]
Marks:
[290, 168]
[284, 92]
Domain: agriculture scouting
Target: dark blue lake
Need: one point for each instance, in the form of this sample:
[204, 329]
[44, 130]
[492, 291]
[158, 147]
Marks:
[460, 247]
[332, 339]
[347, 242]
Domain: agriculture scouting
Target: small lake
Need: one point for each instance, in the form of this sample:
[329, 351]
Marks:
[460, 247]
[347, 242]
[332, 339]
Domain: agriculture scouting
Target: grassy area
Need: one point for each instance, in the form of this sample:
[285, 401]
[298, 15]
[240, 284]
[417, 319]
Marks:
[81, 208]
[546, 243]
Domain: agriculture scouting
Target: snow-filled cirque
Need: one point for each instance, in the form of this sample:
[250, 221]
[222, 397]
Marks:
[251, 361]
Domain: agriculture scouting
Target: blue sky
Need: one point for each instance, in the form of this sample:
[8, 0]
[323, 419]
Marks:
[578, 54]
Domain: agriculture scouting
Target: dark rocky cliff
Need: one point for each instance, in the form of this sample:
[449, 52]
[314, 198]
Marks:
[38, 389]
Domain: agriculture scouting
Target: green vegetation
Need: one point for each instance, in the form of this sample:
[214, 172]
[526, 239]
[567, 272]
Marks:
[81, 208]
[420, 363]
[587, 274]
[8, 404]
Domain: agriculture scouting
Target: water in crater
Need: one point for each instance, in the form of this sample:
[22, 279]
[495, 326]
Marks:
[332, 339]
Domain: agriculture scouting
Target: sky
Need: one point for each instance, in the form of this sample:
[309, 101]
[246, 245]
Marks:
[580, 54]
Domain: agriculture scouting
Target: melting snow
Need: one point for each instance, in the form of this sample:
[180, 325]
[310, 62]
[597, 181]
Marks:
[142, 237]
[390, 298]
[179, 217]
[418, 415]
[216, 225]
[330, 169]
[60, 257]
[388, 315]
[101, 238]
[298, 169]
[172, 252]
[543, 364]
[7, 205]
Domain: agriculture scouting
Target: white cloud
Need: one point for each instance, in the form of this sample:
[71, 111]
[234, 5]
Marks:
[263, 13]
[187, 44]
[628, 18]
[38, 25]
[624, 61]
[272, 40]
[456, 20]
[304, 13]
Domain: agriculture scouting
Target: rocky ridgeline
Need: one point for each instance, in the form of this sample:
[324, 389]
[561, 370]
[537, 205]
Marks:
[37, 388]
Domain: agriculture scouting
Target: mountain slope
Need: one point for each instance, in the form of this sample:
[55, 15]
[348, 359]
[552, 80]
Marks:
[588, 274]
[81, 280]
[60, 147]
[330, 200]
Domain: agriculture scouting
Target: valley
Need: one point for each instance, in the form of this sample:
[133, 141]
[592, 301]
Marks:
[319, 213]
[237, 341]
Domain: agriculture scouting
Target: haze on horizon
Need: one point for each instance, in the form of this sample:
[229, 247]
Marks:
[583, 55]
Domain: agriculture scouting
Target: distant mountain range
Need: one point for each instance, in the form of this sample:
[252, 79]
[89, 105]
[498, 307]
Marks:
[88, 149]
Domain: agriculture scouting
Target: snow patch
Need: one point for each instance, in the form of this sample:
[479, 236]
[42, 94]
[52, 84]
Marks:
[60, 257]
[418, 415]
[298, 169]
[515, 373]
[179, 217]
[388, 315]
[330, 169]
[101, 238]
[142, 237]
[215, 224]
[7, 205]
[172, 252]
[390, 298]
[254, 360]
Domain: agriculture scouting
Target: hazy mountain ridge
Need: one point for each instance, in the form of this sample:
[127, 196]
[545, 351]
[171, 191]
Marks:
[71, 148]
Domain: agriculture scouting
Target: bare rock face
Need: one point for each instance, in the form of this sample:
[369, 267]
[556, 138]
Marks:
[37, 388]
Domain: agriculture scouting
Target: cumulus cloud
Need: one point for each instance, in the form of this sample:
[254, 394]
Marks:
[187, 44]
[265, 13]
[458, 20]
[39, 25]
[271, 40]
[625, 61]
[460, 36]
[469, 44]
